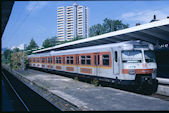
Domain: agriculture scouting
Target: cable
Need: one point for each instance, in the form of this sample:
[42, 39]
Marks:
[22, 22]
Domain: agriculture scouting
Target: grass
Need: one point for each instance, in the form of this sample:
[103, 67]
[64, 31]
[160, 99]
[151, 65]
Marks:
[95, 82]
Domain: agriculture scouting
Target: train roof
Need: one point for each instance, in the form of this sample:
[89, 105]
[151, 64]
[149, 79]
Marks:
[156, 32]
[98, 48]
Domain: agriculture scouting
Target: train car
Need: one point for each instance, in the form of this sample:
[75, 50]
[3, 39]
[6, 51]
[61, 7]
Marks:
[126, 63]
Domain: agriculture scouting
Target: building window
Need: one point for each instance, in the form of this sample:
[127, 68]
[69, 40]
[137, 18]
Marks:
[83, 60]
[106, 60]
[71, 60]
[88, 59]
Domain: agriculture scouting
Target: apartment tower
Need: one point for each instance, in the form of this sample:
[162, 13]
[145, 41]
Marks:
[72, 21]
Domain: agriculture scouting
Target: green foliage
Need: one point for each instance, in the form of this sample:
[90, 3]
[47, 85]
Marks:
[16, 50]
[107, 26]
[49, 42]
[46, 43]
[17, 60]
[75, 38]
[76, 78]
[95, 82]
[6, 54]
[96, 30]
[32, 45]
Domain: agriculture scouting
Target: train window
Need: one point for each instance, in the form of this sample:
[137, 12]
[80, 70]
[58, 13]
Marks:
[37, 59]
[88, 59]
[67, 59]
[43, 60]
[33, 59]
[71, 60]
[83, 60]
[77, 59]
[48, 60]
[131, 56]
[115, 56]
[105, 60]
[59, 60]
[51, 59]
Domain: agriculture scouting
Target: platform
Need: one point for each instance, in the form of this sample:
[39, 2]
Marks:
[86, 96]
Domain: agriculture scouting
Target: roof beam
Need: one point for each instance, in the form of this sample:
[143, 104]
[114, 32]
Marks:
[113, 39]
[160, 36]
[122, 38]
[164, 28]
[142, 38]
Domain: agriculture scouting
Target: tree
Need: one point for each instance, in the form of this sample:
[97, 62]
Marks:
[49, 42]
[53, 41]
[46, 43]
[7, 53]
[96, 30]
[16, 50]
[107, 26]
[32, 45]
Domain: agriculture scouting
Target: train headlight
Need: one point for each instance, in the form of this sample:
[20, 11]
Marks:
[131, 72]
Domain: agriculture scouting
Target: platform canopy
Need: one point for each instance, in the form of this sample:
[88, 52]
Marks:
[156, 32]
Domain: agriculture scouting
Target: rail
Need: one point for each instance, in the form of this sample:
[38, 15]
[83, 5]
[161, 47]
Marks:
[15, 92]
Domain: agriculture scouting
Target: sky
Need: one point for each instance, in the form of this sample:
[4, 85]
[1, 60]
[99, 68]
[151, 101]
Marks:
[38, 19]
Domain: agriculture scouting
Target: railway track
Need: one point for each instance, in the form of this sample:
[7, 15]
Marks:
[28, 99]
[24, 107]
[162, 97]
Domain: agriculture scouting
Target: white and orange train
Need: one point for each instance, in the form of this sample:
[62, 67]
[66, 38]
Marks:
[129, 63]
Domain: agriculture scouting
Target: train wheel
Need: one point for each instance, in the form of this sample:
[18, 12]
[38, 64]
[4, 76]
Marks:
[146, 89]
[155, 85]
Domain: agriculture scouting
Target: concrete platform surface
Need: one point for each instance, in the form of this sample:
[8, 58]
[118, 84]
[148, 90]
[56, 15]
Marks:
[90, 97]
[163, 80]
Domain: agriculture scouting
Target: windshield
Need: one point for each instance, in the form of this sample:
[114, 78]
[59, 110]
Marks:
[149, 56]
[131, 56]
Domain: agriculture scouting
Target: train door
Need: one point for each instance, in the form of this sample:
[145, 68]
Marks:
[77, 63]
[116, 66]
[97, 63]
[63, 66]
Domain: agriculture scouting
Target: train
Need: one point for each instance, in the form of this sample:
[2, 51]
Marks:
[128, 63]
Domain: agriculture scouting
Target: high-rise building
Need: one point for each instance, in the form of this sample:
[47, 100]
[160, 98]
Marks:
[72, 21]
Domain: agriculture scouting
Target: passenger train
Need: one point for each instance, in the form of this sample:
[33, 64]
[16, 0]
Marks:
[130, 63]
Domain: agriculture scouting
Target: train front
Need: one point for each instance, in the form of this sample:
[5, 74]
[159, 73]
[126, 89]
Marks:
[138, 60]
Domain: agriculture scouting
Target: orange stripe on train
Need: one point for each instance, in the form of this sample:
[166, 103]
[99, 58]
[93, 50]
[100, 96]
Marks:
[138, 71]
